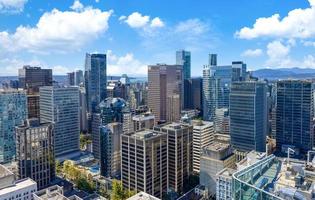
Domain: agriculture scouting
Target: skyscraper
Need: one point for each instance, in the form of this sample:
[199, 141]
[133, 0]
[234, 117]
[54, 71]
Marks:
[95, 80]
[110, 149]
[248, 116]
[180, 153]
[70, 78]
[165, 81]
[294, 114]
[144, 162]
[78, 77]
[35, 152]
[61, 107]
[13, 109]
[212, 59]
[184, 58]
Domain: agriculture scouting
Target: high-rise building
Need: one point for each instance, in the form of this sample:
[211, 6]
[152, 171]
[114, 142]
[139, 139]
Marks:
[214, 158]
[143, 121]
[70, 79]
[196, 94]
[95, 80]
[83, 110]
[248, 116]
[35, 152]
[110, 149]
[144, 162]
[180, 153]
[13, 109]
[224, 184]
[203, 135]
[78, 77]
[31, 78]
[240, 68]
[173, 108]
[33, 105]
[15, 189]
[165, 81]
[294, 114]
[212, 59]
[184, 58]
[61, 106]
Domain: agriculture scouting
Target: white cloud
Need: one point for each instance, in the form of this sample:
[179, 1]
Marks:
[127, 64]
[58, 31]
[278, 54]
[137, 20]
[77, 6]
[309, 61]
[299, 23]
[12, 5]
[157, 22]
[252, 53]
[97, 1]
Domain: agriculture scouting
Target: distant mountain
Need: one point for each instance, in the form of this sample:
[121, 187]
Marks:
[284, 73]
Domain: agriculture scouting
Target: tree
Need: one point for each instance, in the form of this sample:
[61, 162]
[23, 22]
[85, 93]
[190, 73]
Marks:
[58, 167]
[85, 185]
[117, 191]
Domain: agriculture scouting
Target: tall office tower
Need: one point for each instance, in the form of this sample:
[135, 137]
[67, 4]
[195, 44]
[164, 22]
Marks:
[31, 78]
[208, 95]
[13, 109]
[213, 59]
[61, 106]
[180, 157]
[224, 184]
[294, 115]
[83, 110]
[78, 77]
[33, 105]
[184, 58]
[196, 94]
[108, 111]
[214, 158]
[71, 79]
[165, 81]
[173, 108]
[248, 116]
[95, 80]
[221, 115]
[203, 135]
[143, 121]
[15, 189]
[144, 162]
[127, 122]
[35, 152]
[240, 70]
[110, 149]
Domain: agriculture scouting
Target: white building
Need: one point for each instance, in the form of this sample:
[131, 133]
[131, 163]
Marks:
[203, 135]
[143, 196]
[17, 190]
[224, 184]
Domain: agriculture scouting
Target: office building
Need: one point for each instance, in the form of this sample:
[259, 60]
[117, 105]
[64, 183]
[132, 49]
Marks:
[203, 135]
[83, 110]
[95, 80]
[32, 78]
[294, 114]
[164, 81]
[70, 79]
[248, 116]
[35, 152]
[127, 122]
[214, 158]
[143, 196]
[196, 94]
[240, 70]
[224, 184]
[78, 77]
[12, 189]
[183, 58]
[143, 121]
[61, 106]
[57, 192]
[144, 162]
[180, 154]
[212, 60]
[33, 105]
[13, 109]
[110, 149]
[173, 109]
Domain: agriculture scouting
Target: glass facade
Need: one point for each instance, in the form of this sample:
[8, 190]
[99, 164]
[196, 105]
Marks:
[13, 109]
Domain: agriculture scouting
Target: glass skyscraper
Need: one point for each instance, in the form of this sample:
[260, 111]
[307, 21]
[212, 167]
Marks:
[184, 58]
[294, 114]
[248, 116]
[61, 106]
[95, 80]
[13, 109]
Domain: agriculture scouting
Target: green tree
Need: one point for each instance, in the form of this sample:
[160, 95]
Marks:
[117, 191]
[85, 185]
[58, 167]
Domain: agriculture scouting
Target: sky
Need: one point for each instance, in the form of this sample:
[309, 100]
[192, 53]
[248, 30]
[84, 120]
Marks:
[135, 33]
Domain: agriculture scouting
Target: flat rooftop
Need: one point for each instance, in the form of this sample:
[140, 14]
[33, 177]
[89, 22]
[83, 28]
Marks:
[144, 134]
[143, 196]
[4, 172]
[226, 172]
[217, 146]
[19, 185]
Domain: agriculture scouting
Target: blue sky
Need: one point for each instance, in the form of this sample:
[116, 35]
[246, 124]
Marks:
[134, 33]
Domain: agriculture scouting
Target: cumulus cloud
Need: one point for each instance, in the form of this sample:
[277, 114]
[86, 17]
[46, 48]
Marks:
[58, 31]
[278, 54]
[137, 20]
[299, 23]
[252, 53]
[77, 6]
[12, 5]
[126, 64]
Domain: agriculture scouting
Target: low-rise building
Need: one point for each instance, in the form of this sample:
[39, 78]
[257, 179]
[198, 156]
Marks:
[143, 196]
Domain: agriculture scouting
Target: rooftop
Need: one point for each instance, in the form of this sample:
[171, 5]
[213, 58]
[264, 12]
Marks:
[4, 171]
[144, 134]
[143, 196]
[19, 185]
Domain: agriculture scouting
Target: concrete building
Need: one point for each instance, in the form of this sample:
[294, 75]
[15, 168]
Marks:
[110, 162]
[180, 153]
[33, 105]
[11, 189]
[248, 116]
[164, 81]
[70, 79]
[173, 110]
[13, 109]
[203, 135]
[143, 121]
[294, 115]
[56, 192]
[224, 184]
[35, 152]
[214, 158]
[61, 107]
[144, 162]
[143, 196]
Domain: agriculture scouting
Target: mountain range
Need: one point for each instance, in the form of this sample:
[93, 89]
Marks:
[284, 73]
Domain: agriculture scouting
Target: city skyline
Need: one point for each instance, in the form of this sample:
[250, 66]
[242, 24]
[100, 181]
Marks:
[151, 33]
